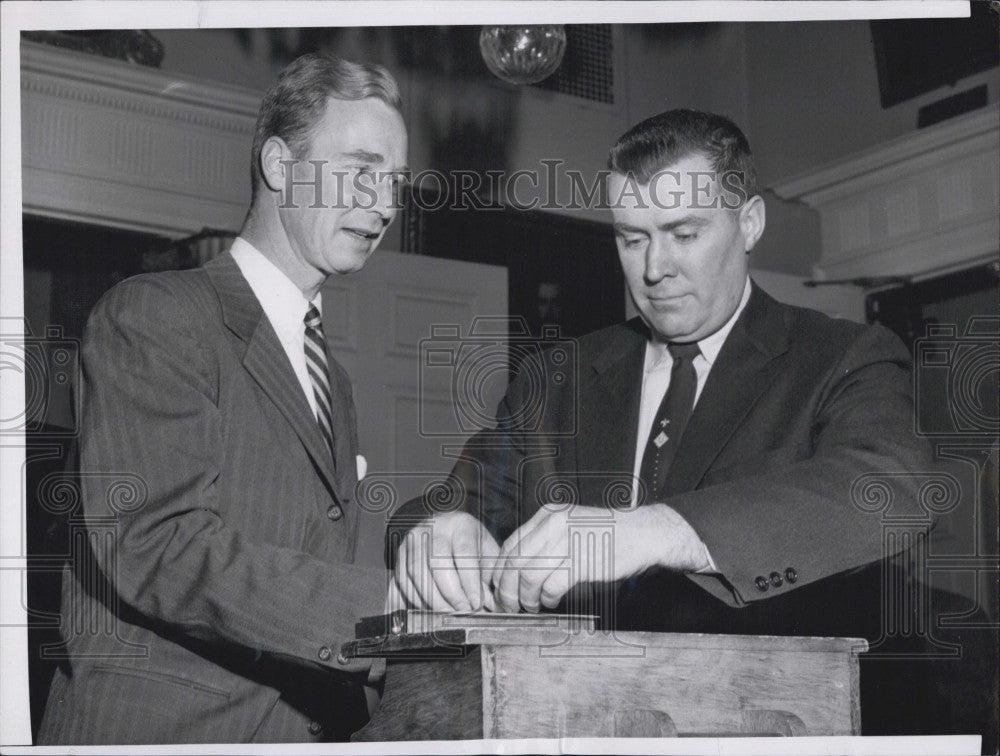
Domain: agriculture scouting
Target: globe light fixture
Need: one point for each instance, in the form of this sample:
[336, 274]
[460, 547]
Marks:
[522, 54]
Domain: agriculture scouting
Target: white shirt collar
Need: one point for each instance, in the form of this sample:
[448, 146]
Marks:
[710, 346]
[282, 301]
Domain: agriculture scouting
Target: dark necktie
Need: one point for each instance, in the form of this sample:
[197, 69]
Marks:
[319, 373]
[670, 421]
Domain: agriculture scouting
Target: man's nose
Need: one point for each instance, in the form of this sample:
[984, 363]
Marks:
[661, 261]
[387, 200]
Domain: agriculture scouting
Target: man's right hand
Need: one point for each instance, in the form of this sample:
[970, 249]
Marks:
[445, 564]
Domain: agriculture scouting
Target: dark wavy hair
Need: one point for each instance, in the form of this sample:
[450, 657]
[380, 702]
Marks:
[660, 141]
[295, 103]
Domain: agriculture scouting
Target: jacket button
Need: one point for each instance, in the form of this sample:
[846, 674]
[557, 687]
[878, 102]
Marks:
[791, 575]
[334, 512]
[761, 582]
[315, 728]
[325, 653]
[776, 580]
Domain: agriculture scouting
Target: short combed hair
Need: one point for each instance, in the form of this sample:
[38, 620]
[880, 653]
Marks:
[659, 142]
[295, 103]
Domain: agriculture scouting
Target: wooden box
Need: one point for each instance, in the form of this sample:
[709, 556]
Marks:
[549, 677]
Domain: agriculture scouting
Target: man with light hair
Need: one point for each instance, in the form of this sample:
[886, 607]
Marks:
[228, 580]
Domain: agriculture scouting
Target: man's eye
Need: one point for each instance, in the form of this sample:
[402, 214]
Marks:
[633, 243]
[683, 238]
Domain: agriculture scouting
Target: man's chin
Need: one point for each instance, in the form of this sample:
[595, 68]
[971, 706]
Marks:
[353, 261]
[669, 329]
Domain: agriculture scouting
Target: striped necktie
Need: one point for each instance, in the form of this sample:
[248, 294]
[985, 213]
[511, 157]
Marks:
[670, 420]
[319, 373]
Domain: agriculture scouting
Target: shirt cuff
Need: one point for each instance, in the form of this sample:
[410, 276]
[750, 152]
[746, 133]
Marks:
[711, 569]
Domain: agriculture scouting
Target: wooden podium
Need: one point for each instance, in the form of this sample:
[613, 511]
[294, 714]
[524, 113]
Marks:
[551, 676]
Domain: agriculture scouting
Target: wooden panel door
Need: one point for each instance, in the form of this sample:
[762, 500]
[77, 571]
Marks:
[381, 324]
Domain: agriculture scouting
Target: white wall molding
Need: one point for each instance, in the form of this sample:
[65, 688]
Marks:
[118, 144]
[919, 204]
[69, 66]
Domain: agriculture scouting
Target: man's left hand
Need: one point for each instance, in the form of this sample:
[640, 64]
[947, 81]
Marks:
[561, 546]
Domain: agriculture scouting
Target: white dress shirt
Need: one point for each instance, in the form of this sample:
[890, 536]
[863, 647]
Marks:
[656, 380]
[283, 304]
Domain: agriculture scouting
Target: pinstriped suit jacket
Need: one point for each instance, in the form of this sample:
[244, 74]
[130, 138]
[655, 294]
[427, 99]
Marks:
[216, 585]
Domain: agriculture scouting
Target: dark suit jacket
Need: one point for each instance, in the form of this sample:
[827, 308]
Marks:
[216, 585]
[797, 409]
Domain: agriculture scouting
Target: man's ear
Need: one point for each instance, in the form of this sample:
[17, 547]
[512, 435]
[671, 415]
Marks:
[272, 170]
[752, 221]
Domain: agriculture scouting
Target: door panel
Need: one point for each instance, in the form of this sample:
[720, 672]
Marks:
[375, 322]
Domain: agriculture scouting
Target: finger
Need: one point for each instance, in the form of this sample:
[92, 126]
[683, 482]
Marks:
[438, 602]
[402, 580]
[531, 577]
[504, 579]
[493, 572]
[539, 554]
[500, 579]
[555, 586]
[489, 552]
[394, 600]
[511, 546]
[505, 592]
[434, 576]
[489, 603]
[488, 557]
[448, 585]
[418, 567]
[529, 585]
[466, 550]
[409, 592]
[500, 562]
[508, 587]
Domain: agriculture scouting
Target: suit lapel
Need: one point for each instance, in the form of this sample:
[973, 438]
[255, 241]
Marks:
[744, 368]
[266, 361]
[609, 407]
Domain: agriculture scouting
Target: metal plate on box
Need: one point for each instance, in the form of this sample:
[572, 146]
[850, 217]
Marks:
[409, 621]
[419, 633]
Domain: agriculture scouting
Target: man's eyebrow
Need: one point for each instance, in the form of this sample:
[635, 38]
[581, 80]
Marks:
[625, 228]
[372, 158]
[687, 220]
[365, 156]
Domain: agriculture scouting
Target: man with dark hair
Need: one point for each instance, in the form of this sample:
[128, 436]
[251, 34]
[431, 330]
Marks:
[213, 599]
[737, 427]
